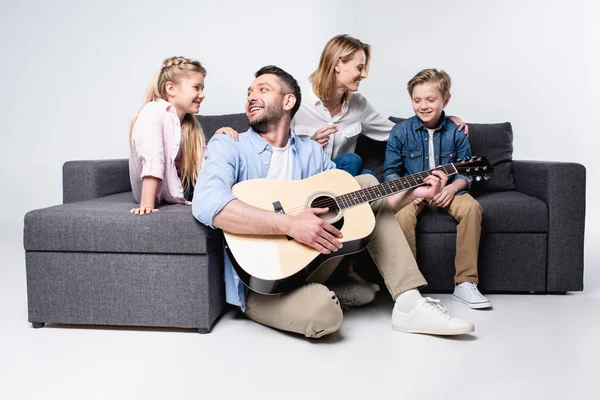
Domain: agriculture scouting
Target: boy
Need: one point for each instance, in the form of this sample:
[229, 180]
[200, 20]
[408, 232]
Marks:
[422, 142]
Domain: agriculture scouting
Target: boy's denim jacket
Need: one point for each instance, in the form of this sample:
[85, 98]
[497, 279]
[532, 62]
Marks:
[407, 149]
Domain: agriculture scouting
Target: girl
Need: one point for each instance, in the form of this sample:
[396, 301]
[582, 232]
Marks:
[167, 143]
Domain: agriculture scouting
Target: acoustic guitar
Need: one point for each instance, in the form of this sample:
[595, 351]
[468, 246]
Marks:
[279, 264]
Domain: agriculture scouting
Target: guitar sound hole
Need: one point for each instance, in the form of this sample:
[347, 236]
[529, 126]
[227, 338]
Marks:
[333, 215]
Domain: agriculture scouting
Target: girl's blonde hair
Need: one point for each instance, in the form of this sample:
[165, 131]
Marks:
[340, 47]
[175, 69]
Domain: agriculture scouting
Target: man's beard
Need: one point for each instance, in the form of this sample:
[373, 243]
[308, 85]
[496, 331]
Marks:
[268, 121]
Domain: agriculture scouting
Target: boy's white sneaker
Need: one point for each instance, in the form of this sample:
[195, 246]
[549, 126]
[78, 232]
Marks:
[468, 294]
[429, 316]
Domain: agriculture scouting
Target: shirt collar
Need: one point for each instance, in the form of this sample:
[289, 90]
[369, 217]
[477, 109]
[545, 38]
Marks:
[312, 98]
[260, 145]
[168, 106]
[418, 124]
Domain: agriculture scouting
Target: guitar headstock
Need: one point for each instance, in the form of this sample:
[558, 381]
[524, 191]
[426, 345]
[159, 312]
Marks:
[475, 167]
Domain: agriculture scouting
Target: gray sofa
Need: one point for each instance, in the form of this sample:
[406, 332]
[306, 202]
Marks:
[89, 261]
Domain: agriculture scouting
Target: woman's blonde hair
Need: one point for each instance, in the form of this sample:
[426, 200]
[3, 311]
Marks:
[340, 47]
[175, 69]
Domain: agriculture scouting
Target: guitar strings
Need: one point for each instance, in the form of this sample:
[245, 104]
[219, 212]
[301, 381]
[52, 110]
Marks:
[391, 185]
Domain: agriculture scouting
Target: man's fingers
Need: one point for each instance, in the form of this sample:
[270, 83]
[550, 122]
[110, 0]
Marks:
[326, 244]
[333, 236]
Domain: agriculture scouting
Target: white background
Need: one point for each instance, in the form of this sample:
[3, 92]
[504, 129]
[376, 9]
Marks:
[74, 72]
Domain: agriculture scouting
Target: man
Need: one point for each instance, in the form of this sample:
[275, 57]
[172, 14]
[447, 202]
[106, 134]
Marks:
[270, 150]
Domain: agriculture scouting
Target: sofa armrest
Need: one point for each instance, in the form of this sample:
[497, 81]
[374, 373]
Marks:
[561, 185]
[90, 179]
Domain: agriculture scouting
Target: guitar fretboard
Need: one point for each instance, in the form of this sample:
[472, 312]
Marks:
[385, 189]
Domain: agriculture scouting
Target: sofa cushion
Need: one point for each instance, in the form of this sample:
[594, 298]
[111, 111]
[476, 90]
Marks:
[494, 142]
[104, 225]
[210, 123]
[503, 212]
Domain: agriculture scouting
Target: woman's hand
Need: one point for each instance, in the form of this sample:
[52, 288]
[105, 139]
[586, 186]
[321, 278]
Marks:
[227, 131]
[321, 136]
[460, 124]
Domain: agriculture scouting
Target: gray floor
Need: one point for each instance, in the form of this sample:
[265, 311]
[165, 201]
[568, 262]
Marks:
[527, 347]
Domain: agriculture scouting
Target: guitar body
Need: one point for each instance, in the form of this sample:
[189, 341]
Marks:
[278, 264]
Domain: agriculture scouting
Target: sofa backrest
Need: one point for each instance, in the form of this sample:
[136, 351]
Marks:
[210, 123]
[493, 141]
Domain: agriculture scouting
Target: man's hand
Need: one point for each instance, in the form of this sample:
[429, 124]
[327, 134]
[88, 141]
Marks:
[445, 197]
[460, 124]
[311, 230]
[321, 136]
[433, 185]
[228, 131]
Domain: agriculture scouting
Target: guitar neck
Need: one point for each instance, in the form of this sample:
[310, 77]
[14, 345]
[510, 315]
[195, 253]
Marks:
[386, 189]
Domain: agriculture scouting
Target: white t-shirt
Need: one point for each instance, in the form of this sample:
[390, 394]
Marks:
[281, 163]
[431, 154]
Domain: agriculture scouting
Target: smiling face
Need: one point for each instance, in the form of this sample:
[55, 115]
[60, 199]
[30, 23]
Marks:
[350, 73]
[428, 103]
[187, 94]
[264, 106]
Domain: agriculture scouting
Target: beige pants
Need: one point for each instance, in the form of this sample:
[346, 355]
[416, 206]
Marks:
[467, 212]
[313, 310]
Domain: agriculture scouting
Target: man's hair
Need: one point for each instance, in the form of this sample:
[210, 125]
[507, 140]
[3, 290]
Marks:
[288, 83]
[441, 78]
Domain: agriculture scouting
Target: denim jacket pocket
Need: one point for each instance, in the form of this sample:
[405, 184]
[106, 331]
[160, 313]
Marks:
[413, 160]
[447, 156]
[411, 154]
[352, 130]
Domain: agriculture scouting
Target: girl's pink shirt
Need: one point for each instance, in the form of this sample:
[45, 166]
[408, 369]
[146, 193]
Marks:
[157, 139]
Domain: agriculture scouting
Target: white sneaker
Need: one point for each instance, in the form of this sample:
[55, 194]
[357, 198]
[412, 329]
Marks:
[468, 294]
[430, 317]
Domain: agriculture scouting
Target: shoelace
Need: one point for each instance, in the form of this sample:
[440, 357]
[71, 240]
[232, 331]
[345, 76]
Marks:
[473, 288]
[436, 306]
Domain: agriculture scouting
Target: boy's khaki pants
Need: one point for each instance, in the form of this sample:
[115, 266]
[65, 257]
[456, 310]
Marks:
[467, 212]
[313, 310]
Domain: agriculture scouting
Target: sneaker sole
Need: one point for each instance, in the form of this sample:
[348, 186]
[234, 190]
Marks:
[485, 304]
[449, 332]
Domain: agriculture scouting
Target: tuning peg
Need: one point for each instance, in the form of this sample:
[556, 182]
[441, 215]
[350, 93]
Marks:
[469, 179]
[468, 170]
[476, 169]
[477, 178]
[486, 177]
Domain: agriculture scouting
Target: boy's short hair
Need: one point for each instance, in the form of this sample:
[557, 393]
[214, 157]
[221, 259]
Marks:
[431, 75]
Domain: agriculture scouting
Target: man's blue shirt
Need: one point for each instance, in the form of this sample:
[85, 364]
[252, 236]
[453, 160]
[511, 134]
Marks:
[229, 162]
[407, 150]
